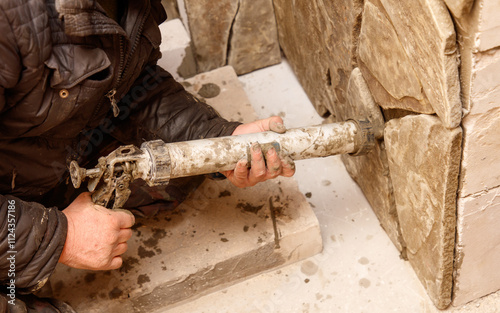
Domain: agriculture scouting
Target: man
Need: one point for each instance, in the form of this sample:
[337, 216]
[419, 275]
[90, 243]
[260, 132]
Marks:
[77, 78]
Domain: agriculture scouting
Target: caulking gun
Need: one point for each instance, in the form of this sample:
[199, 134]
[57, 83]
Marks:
[157, 162]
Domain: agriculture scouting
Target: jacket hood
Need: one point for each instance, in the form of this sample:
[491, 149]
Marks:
[85, 18]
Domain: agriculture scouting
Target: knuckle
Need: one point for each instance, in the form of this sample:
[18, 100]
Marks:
[260, 173]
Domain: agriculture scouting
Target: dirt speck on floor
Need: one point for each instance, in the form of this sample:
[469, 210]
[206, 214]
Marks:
[247, 207]
[143, 253]
[142, 279]
[115, 293]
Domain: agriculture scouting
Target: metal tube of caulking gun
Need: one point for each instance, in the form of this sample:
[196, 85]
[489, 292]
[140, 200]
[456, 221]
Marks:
[212, 155]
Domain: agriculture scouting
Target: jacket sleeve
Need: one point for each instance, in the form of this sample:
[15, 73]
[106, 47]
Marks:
[163, 109]
[10, 66]
[31, 240]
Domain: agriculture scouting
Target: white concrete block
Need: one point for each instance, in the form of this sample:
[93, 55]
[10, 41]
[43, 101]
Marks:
[478, 247]
[481, 157]
[489, 25]
[177, 54]
[481, 160]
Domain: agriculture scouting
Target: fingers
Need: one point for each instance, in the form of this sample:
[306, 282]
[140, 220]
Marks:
[258, 171]
[262, 168]
[115, 263]
[288, 167]
[274, 167]
[125, 218]
[124, 235]
[120, 249]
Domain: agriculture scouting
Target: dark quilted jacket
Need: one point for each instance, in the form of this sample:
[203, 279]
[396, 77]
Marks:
[69, 76]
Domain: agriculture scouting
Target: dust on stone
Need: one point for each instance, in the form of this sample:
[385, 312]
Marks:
[363, 282]
[224, 239]
[363, 261]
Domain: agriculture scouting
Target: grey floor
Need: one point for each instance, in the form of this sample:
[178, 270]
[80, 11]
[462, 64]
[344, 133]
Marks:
[359, 269]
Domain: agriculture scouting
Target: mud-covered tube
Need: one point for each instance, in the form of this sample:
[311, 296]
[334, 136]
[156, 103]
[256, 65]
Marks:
[205, 156]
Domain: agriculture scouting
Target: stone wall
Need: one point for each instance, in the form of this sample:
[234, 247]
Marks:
[409, 54]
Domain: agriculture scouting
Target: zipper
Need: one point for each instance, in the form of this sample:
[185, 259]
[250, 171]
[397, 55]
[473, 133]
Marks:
[136, 41]
[111, 94]
[124, 63]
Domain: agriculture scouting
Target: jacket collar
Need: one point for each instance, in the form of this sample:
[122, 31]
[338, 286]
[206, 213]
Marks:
[85, 18]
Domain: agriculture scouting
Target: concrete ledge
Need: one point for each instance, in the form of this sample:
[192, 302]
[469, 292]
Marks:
[219, 236]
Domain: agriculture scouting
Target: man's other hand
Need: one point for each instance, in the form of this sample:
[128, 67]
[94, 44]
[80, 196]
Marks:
[242, 176]
[97, 237]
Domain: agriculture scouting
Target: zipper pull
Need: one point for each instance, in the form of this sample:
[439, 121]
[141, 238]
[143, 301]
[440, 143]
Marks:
[111, 97]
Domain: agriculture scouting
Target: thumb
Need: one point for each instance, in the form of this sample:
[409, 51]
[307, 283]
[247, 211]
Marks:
[276, 125]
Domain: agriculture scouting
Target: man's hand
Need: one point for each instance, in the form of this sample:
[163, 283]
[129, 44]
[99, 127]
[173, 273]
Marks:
[96, 236]
[242, 176]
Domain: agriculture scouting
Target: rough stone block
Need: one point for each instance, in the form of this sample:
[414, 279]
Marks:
[481, 163]
[220, 235]
[371, 171]
[478, 247]
[319, 40]
[459, 7]
[241, 33]
[427, 33]
[424, 160]
[385, 65]
[177, 55]
[488, 25]
[485, 84]
[210, 24]
[254, 37]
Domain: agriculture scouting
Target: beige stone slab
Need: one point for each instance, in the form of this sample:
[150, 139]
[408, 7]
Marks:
[319, 39]
[254, 37]
[219, 236]
[210, 25]
[478, 247]
[424, 160]
[459, 7]
[427, 33]
[386, 66]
